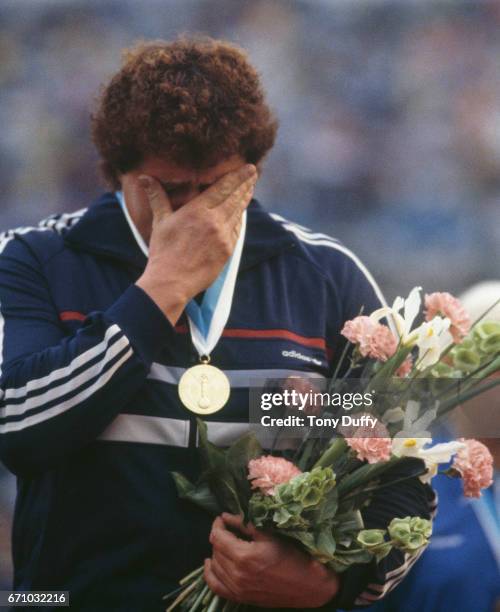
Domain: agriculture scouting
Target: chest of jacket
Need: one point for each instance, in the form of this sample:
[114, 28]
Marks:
[277, 328]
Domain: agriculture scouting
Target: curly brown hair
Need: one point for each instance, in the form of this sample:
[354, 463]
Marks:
[193, 101]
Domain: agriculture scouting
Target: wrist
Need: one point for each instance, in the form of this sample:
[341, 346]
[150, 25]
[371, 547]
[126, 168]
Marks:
[168, 296]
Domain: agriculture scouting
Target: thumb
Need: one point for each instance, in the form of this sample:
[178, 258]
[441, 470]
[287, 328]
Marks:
[158, 200]
[236, 522]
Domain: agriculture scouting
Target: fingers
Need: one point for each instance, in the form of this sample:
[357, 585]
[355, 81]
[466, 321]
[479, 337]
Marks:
[236, 228]
[226, 542]
[233, 213]
[235, 521]
[232, 182]
[236, 203]
[224, 570]
[157, 198]
[215, 584]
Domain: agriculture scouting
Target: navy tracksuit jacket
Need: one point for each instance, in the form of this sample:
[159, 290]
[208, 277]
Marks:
[90, 420]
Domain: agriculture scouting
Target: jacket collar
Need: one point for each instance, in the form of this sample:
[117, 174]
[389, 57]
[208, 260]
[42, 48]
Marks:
[103, 230]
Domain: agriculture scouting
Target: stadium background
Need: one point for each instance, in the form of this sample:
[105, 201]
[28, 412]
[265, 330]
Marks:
[389, 112]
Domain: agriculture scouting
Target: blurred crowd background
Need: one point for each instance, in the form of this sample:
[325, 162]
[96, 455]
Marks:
[389, 112]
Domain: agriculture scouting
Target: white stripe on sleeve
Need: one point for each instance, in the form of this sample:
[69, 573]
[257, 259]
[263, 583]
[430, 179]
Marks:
[40, 417]
[10, 410]
[393, 579]
[55, 375]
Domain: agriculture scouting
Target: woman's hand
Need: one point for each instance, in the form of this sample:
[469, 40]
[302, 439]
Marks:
[264, 571]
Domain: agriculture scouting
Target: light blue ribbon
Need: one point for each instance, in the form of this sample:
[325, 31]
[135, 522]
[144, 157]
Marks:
[201, 315]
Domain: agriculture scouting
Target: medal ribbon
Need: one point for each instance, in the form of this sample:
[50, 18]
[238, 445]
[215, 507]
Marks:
[206, 321]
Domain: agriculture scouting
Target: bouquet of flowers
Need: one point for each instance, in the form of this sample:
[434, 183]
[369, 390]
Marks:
[314, 494]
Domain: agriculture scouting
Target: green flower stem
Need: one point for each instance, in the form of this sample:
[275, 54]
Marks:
[214, 604]
[364, 474]
[187, 603]
[208, 598]
[306, 454]
[173, 594]
[184, 594]
[198, 600]
[476, 390]
[385, 484]
[482, 372]
[339, 552]
[340, 362]
[389, 367]
[332, 453]
[476, 377]
[492, 368]
[192, 575]
[486, 312]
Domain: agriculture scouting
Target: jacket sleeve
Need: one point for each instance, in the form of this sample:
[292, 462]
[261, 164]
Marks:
[58, 392]
[364, 585]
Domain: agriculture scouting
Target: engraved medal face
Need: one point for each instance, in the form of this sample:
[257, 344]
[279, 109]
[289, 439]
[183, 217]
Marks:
[204, 389]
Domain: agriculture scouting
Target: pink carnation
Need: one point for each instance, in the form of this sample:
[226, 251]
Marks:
[475, 464]
[446, 305]
[371, 444]
[359, 331]
[373, 339]
[267, 472]
[382, 343]
[372, 450]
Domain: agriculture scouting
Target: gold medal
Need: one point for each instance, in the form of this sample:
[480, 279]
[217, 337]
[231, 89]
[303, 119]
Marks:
[204, 389]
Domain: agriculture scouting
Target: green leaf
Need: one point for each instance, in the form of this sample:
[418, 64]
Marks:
[225, 490]
[371, 538]
[217, 473]
[213, 457]
[353, 556]
[349, 521]
[184, 486]
[383, 552]
[243, 450]
[343, 559]
[325, 542]
[237, 458]
[306, 538]
[328, 508]
[465, 360]
[281, 516]
[337, 566]
[325, 510]
[199, 494]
